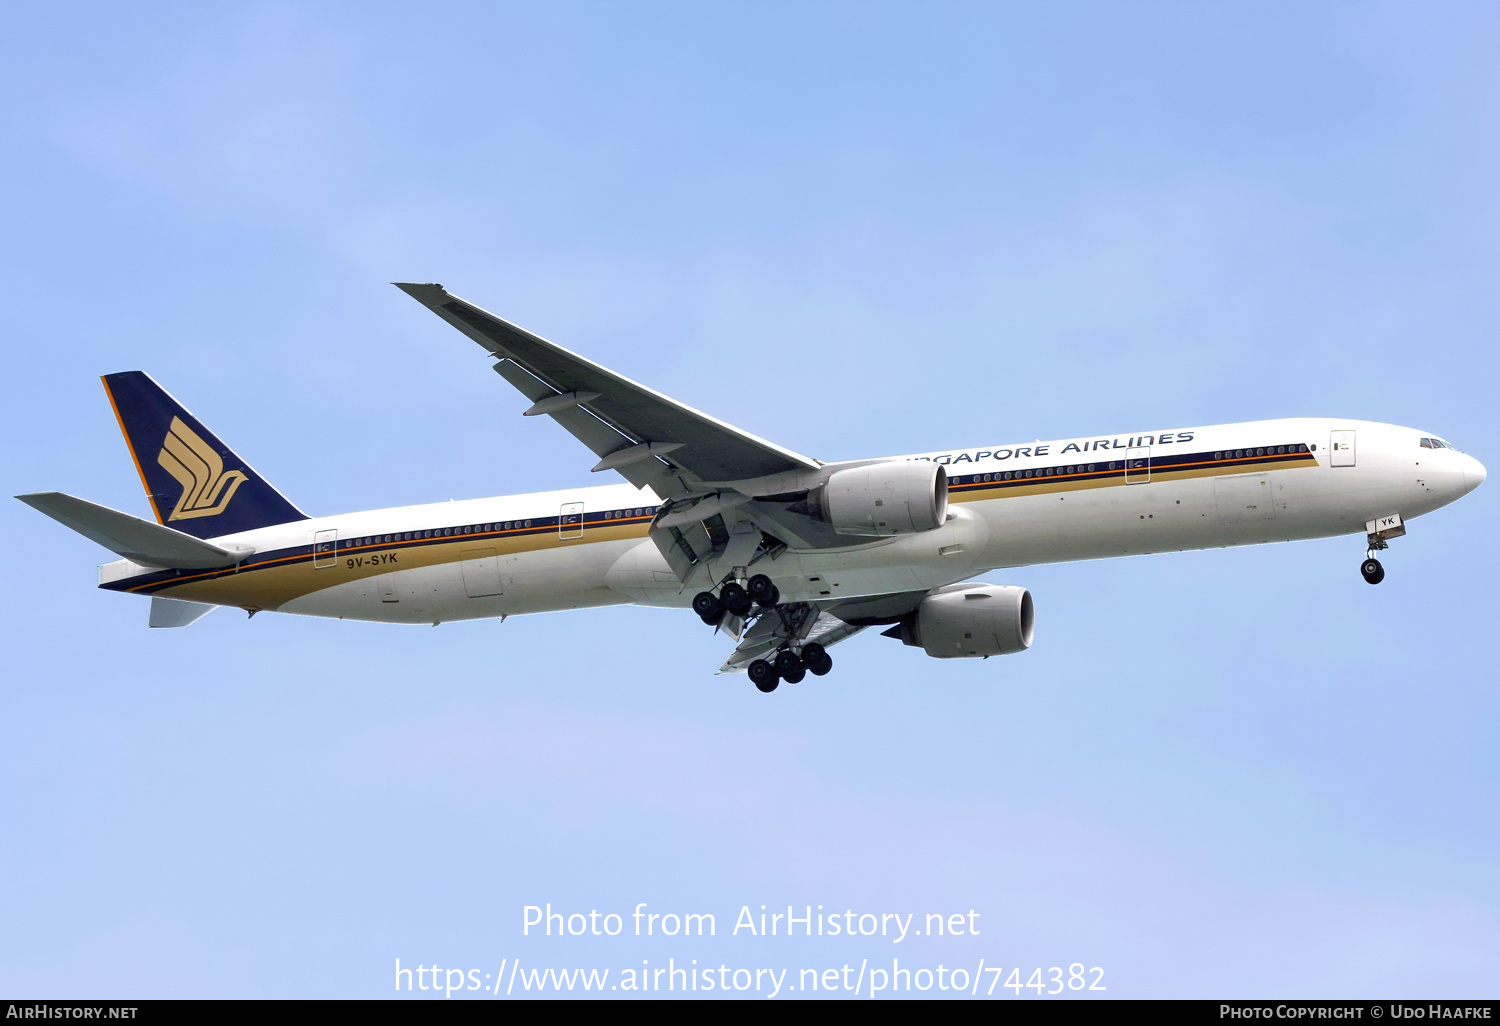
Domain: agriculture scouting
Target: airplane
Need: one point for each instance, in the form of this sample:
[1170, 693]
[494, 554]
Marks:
[787, 555]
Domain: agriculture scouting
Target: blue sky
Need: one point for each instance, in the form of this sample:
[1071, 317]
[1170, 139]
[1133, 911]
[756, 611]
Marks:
[855, 229]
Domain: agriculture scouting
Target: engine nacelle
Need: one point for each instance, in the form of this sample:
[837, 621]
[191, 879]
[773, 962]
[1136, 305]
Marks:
[964, 620]
[899, 497]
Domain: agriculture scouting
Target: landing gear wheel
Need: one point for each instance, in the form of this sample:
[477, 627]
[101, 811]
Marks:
[1373, 572]
[708, 608]
[816, 658]
[763, 591]
[763, 676]
[788, 663]
[735, 599]
[795, 677]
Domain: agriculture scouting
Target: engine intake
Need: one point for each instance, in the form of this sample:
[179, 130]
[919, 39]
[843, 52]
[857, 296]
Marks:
[899, 497]
[967, 620]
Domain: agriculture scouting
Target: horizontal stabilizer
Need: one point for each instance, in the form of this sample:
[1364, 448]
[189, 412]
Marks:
[137, 540]
[166, 612]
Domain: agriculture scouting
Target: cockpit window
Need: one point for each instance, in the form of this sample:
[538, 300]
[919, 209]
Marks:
[1438, 443]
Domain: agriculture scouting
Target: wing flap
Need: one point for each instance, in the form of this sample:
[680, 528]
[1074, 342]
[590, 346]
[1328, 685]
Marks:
[763, 639]
[600, 438]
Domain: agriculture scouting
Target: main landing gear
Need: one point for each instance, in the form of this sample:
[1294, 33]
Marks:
[791, 663]
[736, 598]
[790, 666]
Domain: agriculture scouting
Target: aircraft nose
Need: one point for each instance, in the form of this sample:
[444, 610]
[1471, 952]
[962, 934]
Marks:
[1473, 474]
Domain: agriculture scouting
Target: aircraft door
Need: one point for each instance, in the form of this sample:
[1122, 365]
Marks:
[570, 521]
[481, 570]
[1138, 464]
[1341, 445]
[386, 585]
[325, 549]
[1244, 498]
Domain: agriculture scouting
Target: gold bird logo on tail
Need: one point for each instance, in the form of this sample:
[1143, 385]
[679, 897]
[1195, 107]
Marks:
[206, 488]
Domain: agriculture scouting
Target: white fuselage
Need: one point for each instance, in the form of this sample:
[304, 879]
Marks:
[589, 546]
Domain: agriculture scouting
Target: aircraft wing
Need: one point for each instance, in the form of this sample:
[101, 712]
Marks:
[646, 436]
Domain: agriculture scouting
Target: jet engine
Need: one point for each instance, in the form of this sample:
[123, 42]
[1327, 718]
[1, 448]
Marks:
[964, 620]
[898, 497]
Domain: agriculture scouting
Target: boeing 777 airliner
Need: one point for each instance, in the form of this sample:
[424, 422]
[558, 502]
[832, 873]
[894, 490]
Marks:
[787, 554]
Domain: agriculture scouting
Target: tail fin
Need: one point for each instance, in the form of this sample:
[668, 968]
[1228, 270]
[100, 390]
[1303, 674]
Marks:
[196, 484]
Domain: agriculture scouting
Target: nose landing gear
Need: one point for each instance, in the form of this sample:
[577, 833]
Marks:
[1377, 532]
